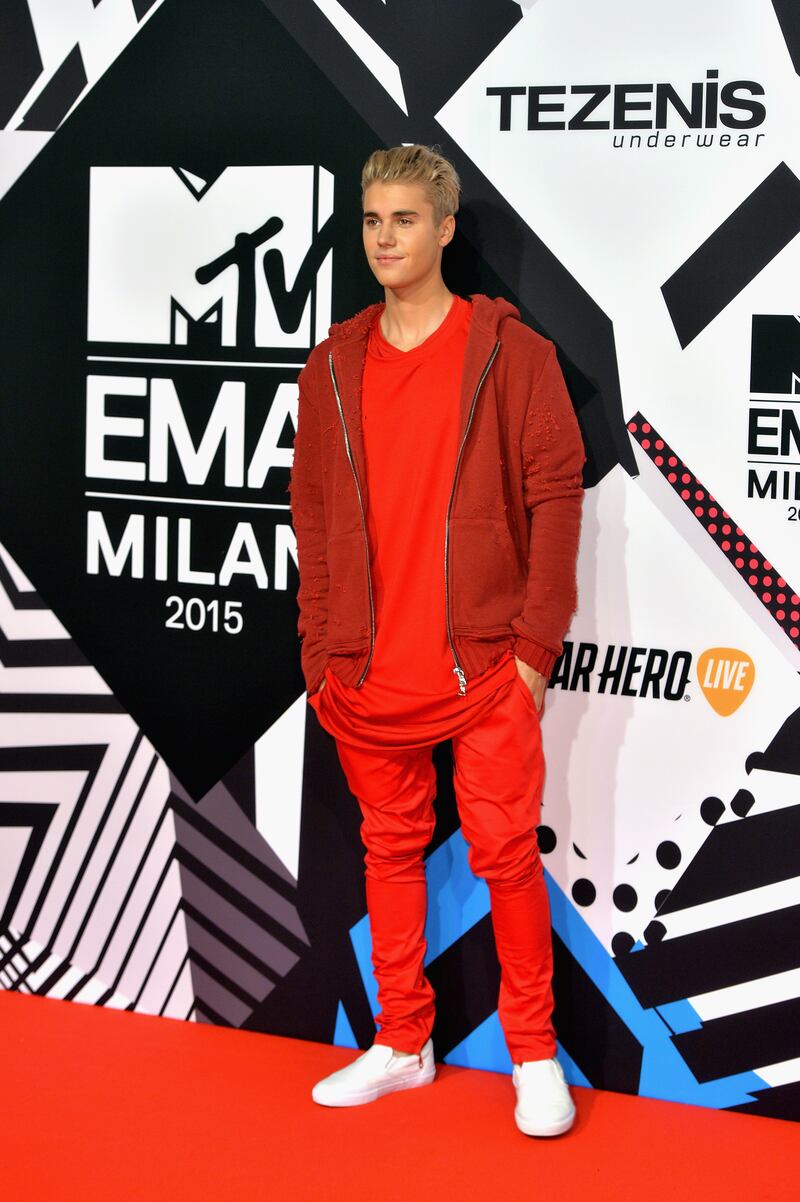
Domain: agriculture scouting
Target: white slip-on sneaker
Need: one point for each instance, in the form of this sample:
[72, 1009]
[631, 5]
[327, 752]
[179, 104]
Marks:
[544, 1105]
[375, 1072]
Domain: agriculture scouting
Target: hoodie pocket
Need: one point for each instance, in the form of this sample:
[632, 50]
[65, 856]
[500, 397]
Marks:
[348, 623]
[487, 578]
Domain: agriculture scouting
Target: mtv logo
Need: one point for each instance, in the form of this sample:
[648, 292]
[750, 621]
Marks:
[204, 299]
[176, 260]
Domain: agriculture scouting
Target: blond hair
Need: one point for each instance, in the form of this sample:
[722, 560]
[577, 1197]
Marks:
[416, 164]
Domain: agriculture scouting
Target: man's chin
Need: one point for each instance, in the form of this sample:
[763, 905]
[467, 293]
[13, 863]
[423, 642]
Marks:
[389, 275]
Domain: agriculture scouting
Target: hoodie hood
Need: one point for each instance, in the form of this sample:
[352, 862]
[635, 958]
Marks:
[488, 313]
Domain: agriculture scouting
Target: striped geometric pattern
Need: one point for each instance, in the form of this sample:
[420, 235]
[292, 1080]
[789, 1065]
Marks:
[115, 888]
[722, 961]
[242, 927]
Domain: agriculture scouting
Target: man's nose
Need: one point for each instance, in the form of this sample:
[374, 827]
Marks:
[385, 236]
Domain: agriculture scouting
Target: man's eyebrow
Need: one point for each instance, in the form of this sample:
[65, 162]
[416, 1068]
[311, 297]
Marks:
[396, 213]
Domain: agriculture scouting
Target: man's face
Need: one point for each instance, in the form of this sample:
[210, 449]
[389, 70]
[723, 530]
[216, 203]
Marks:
[402, 244]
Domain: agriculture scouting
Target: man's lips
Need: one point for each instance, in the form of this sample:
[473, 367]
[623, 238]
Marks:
[388, 258]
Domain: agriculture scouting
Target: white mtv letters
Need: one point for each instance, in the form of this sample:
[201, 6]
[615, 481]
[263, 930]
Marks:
[153, 228]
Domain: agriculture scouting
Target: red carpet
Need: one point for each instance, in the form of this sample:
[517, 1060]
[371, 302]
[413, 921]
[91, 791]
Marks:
[123, 1107]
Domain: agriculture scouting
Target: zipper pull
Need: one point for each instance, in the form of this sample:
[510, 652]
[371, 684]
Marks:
[420, 1059]
[462, 681]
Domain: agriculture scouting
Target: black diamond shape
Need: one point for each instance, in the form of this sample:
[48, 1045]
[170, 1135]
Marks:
[203, 87]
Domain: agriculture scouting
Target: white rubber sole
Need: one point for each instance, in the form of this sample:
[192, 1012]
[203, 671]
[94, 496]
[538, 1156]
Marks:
[557, 1128]
[359, 1097]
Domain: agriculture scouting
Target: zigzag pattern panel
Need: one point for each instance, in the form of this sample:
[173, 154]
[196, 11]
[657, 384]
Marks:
[89, 889]
[115, 888]
[243, 929]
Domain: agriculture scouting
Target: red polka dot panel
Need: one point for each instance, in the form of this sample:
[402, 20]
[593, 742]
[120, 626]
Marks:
[775, 594]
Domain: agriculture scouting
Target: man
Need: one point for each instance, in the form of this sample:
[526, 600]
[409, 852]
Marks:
[436, 500]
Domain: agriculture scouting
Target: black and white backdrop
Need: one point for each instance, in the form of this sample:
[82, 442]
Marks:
[180, 223]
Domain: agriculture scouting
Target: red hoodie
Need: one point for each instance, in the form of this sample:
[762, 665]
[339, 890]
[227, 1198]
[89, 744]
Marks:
[513, 519]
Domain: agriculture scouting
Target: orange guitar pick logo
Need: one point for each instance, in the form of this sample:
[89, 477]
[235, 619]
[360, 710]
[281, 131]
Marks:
[726, 677]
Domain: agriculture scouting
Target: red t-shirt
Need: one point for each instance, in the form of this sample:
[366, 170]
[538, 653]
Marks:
[410, 408]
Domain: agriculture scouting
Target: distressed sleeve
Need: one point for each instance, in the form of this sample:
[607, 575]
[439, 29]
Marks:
[308, 520]
[552, 462]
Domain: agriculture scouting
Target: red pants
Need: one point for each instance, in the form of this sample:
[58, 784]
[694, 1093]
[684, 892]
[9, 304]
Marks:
[498, 777]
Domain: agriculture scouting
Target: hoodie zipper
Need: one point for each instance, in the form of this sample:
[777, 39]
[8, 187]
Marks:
[458, 670]
[363, 520]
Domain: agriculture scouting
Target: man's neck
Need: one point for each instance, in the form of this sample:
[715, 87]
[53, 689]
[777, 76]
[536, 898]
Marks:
[409, 320]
